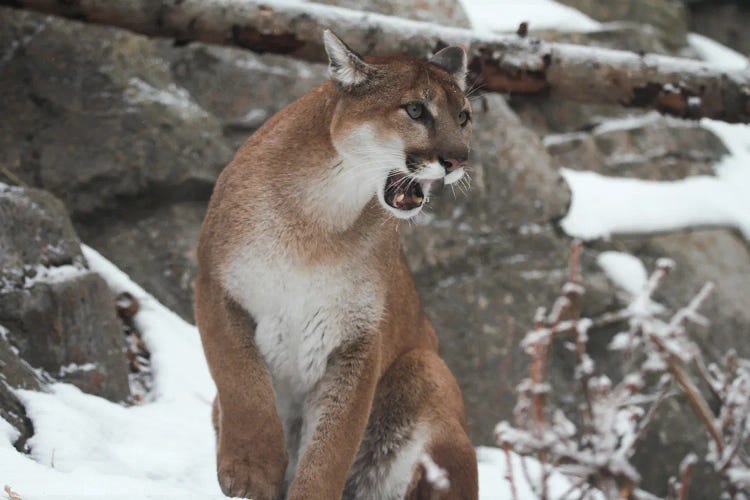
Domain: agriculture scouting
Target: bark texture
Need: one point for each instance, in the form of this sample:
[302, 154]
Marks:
[674, 86]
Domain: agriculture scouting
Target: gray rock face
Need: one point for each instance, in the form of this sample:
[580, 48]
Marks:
[719, 256]
[70, 329]
[13, 412]
[667, 16]
[156, 248]
[33, 234]
[725, 22]
[647, 147]
[447, 12]
[15, 373]
[240, 88]
[550, 115]
[622, 35]
[96, 116]
[61, 316]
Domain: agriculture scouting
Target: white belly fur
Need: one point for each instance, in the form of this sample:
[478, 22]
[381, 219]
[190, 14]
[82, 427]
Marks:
[302, 314]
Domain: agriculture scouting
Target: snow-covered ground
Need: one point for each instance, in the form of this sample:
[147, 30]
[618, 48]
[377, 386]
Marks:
[88, 447]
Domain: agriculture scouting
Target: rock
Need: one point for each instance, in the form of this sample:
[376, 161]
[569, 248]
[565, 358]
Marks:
[61, 316]
[15, 373]
[622, 35]
[674, 433]
[669, 17]
[725, 22]
[155, 247]
[117, 127]
[13, 412]
[552, 115]
[68, 327]
[649, 146]
[447, 12]
[512, 171]
[252, 87]
[33, 234]
[719, 256]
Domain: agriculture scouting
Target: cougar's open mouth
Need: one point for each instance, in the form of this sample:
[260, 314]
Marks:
[403, 192]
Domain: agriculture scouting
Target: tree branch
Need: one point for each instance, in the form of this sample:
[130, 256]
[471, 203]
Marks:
[680, 87]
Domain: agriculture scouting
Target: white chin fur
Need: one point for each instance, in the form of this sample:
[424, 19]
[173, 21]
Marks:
[402, 214]
[454, 176]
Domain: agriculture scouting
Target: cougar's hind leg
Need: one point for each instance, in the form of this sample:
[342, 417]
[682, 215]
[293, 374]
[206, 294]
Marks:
[417, 415]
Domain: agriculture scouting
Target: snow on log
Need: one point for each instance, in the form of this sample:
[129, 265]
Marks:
[675, 86]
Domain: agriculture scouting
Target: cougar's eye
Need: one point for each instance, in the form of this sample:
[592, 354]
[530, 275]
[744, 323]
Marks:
[463, 118]
[415, 110]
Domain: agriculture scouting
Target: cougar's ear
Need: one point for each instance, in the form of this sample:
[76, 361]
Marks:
[346, 67]
[452, 60]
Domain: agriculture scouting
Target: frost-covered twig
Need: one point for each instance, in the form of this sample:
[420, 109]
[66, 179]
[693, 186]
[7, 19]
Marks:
[614, 417]
[509, 476]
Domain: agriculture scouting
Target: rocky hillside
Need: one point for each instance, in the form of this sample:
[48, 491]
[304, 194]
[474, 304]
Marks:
[115, 139]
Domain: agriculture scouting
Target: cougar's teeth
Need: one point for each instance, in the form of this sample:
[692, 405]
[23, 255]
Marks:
[400, 197]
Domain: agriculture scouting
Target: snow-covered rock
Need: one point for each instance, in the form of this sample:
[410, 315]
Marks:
[644, 146]
[56, 315]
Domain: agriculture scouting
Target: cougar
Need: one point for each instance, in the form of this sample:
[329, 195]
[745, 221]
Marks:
[329, 383]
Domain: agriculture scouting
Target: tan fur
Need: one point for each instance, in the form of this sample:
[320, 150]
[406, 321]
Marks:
[383, 373]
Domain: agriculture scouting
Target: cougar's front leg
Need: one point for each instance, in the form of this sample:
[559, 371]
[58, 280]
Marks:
[334, 421]
[251, 459]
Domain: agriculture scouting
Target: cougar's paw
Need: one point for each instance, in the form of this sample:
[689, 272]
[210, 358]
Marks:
[238, 478]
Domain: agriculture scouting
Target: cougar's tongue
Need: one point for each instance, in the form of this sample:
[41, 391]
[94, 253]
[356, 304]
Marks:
[403, 192]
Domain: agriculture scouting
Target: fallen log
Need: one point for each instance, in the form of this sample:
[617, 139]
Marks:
[516, 63]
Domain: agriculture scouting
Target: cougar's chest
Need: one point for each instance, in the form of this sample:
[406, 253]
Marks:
[303, 313]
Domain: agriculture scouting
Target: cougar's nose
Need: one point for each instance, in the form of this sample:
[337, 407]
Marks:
[451, 164]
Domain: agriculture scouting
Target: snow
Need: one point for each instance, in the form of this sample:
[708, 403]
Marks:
[603, 206]
[716, 53]
[7, 433]
[494, 484]
[639, 121]
[488, 16]
[172, 97]
[625, 270]
[75, 368]
[56, 274]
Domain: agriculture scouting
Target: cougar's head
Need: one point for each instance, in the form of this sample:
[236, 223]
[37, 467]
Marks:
[400, 124]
